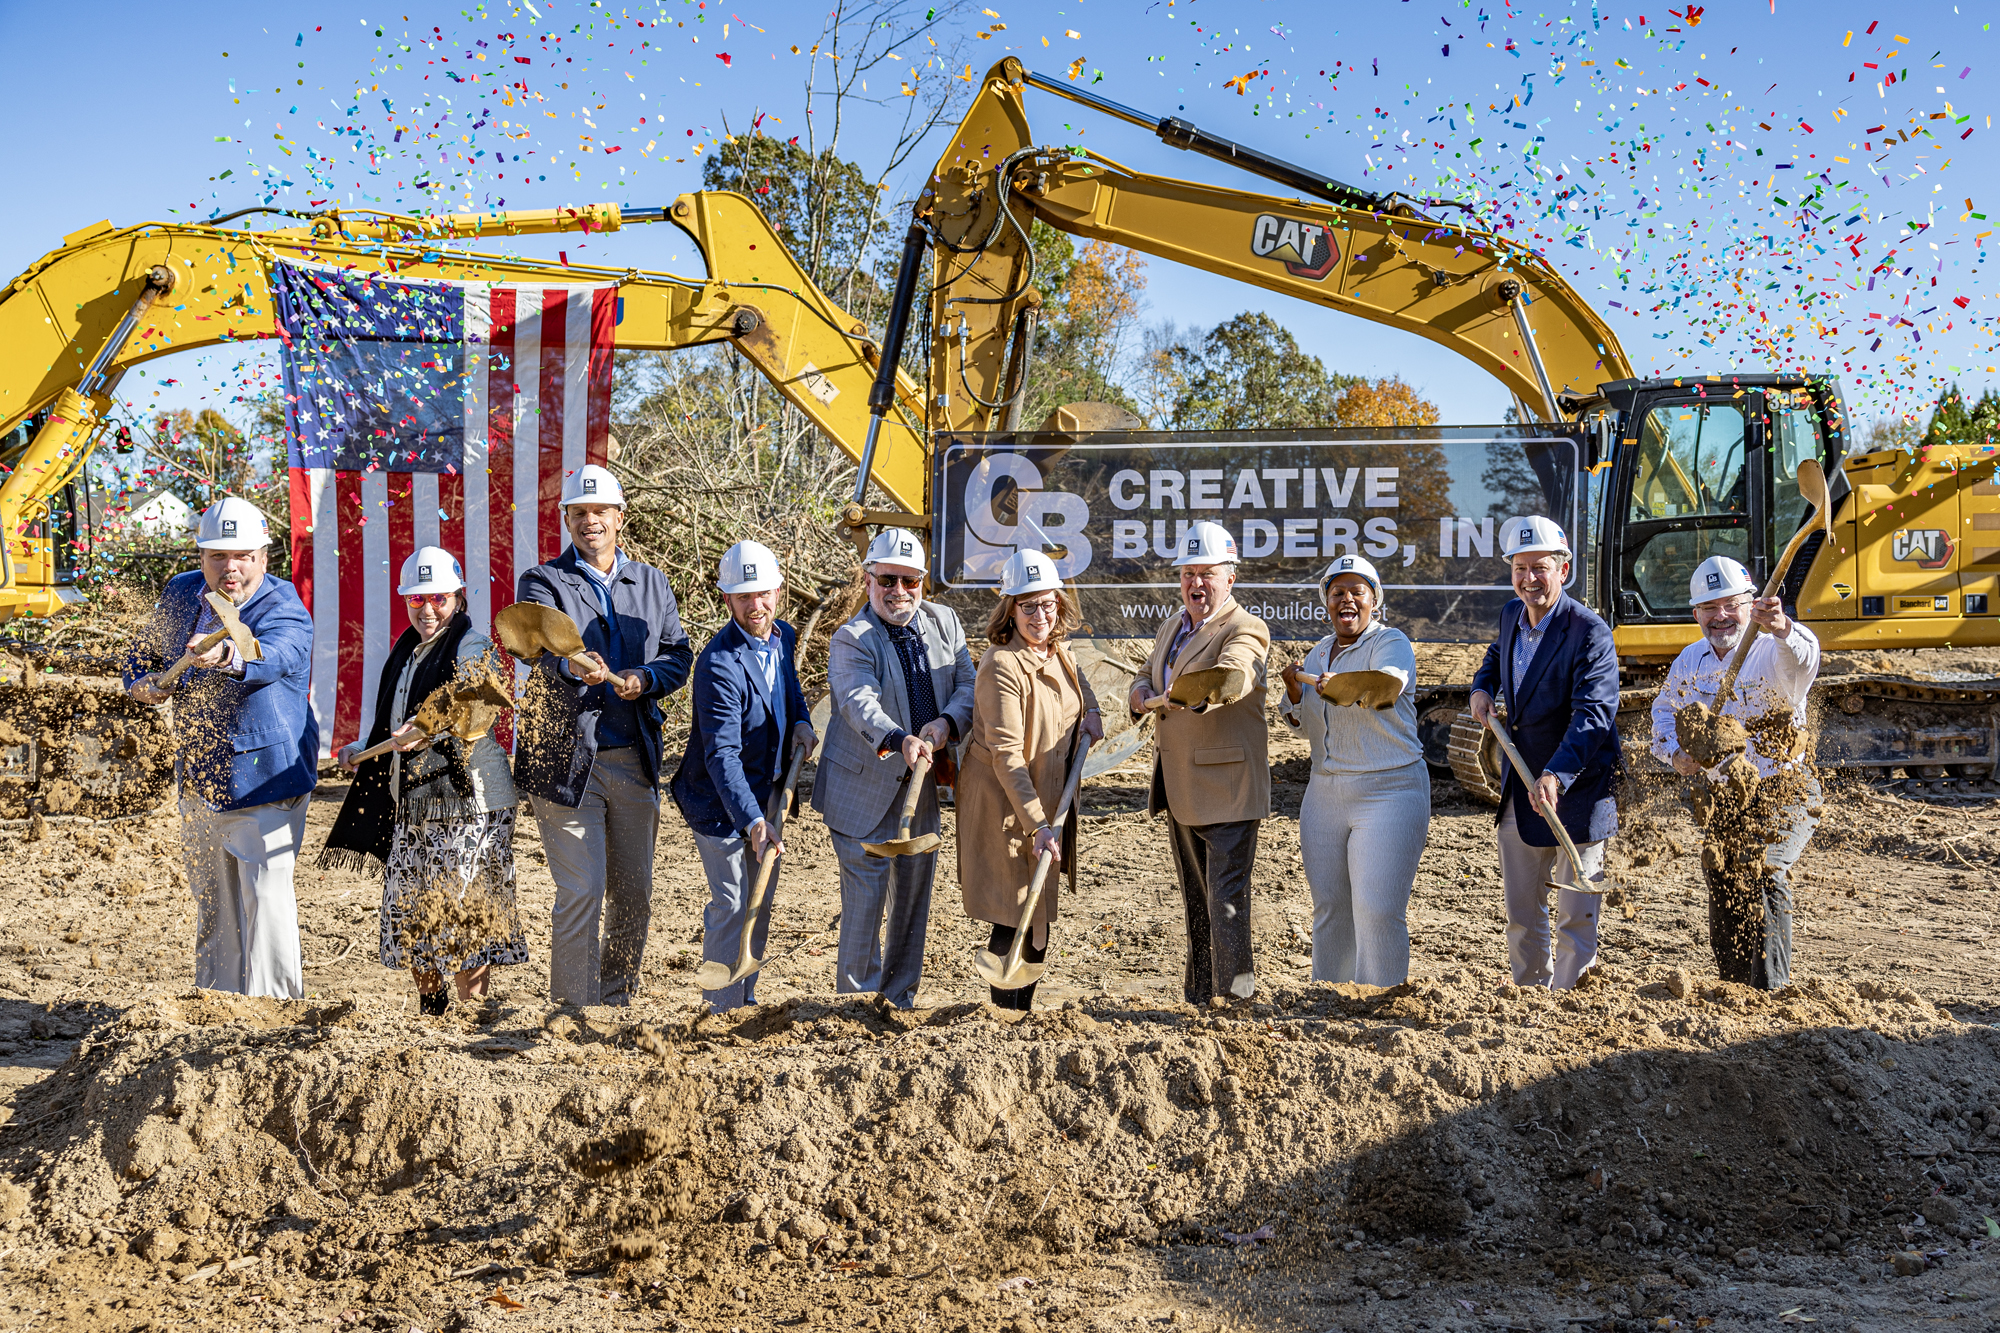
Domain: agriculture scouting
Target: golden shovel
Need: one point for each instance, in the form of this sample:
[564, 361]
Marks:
[466, 708]
[903, 844]
[1013, 972]
[1191, 688]
[1584, 884]
[714, 975]
[232, 629]
[528, 629]
[1369, 689]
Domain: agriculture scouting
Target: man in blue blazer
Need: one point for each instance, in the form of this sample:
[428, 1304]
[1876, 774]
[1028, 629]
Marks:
[1556, 668]
[587, 752]
[747, 701]
[246, 750]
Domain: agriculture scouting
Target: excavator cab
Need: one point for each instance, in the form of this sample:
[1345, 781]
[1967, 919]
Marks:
[1702, 468]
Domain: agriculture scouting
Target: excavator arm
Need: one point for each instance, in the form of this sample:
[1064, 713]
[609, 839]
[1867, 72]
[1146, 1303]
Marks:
[1494, 301]
[112, 298]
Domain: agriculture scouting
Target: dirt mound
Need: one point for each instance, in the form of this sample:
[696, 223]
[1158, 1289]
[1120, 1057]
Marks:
[1635, 1125]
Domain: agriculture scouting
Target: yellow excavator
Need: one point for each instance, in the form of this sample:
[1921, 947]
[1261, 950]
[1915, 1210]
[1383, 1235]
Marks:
[1662, 473]
[1667, 471]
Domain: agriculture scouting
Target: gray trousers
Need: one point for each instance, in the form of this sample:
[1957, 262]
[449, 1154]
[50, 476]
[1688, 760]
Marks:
[1525, 873]
[239, 867]
[730, 873]
[1750, 908]
[885, 907]
[601, 858]
[1361, 836]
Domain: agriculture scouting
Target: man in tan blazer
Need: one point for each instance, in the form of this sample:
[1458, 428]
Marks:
[1211, 765]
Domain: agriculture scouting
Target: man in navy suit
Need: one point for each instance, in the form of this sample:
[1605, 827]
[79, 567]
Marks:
[1557, 670]
[246, 751]
[746, 702]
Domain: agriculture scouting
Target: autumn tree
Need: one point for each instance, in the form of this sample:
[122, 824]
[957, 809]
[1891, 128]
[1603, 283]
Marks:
[1088, 326]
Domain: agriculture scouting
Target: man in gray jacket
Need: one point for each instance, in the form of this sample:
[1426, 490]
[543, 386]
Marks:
[901, 679]
[588, 749]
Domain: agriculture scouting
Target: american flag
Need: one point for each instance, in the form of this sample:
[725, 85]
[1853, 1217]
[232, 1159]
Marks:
[428, 414]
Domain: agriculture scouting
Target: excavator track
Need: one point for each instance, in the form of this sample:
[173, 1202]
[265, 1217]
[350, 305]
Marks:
[1923, 738]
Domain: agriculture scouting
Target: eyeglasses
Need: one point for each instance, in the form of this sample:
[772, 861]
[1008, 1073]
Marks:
[1736, 603]
[1047, 610]
[899, 581]
[430, 599]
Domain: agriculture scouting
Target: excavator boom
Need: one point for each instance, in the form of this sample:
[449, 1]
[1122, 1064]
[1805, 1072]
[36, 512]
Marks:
[1496, 302]
[112, 298]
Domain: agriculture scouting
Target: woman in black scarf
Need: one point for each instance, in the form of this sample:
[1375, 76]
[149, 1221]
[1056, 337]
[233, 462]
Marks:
[439, 818]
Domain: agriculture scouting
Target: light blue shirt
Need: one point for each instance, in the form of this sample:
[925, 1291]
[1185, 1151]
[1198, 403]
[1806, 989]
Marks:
[767, 650]
[1526, 641]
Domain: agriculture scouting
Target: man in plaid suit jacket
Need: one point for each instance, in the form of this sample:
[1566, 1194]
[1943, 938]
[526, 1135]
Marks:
[901, 679]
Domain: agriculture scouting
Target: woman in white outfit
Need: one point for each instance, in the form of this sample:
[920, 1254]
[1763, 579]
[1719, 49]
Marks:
[1368, 805]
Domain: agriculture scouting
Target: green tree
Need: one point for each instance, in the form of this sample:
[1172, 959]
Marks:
[1089, 314]
[1951, 423]
[822, 206]
[1248, 373]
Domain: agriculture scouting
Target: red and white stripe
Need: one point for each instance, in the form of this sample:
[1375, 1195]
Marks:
[537, 408]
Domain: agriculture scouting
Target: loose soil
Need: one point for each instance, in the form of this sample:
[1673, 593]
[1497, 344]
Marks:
[1449, 1154]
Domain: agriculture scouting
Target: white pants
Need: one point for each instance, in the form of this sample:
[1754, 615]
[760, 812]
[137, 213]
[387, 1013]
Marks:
[239, 867]
[1361, 836]
[1525, 873]
[601, 858]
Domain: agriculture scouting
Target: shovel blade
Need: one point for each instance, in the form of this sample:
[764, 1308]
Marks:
[917, 846]
[992, 969]
[714, 975]
[1596, 888]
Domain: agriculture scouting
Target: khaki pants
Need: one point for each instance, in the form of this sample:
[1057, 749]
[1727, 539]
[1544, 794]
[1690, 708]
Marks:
[601, 858]
[239, 866]
[1525, 873]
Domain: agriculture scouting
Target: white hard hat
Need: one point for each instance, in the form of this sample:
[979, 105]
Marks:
[592, 485]
[431, 569]
[896, 546]
[1352, 564]
[1718, 577]
[1206, 543]
[1529, 534]
[232, 524]
[749, 567]
[1026, 572]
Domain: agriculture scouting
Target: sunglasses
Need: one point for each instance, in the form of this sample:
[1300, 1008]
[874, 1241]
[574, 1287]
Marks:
[430, 599]
[899, 581]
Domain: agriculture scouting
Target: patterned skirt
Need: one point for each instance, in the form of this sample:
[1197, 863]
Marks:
[448, 895]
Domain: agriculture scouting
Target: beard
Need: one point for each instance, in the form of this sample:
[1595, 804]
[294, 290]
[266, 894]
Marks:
[1724, 641]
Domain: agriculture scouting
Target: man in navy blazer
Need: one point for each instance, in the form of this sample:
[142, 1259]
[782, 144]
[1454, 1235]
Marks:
[246, 750]
[1556, 668]
[587, 749]
[747, 701]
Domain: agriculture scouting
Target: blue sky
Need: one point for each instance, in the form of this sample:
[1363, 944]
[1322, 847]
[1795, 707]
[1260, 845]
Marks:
[1662, 164]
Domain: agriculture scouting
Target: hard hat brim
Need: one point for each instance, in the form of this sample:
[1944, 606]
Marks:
[753, 585]
[233, 544]
[416, 589]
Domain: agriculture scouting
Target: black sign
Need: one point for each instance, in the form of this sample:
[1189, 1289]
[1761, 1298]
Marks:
[1424, 504]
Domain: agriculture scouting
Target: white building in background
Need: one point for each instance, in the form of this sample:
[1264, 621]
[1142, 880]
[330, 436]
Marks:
[154, 513]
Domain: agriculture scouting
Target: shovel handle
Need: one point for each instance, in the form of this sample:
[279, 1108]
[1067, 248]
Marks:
[774, 815]
[1521, 768]
[909, 815]
[166, 679]
[1044, 862]
[381, 748]
[1823, 522]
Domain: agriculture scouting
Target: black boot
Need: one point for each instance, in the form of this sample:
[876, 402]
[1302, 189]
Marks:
[999, 943]
[434, 1003]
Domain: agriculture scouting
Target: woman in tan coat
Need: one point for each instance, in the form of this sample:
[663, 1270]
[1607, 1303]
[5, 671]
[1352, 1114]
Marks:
[1029, 705]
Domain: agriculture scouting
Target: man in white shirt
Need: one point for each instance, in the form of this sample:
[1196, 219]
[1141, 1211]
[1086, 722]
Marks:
[1749, 904]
